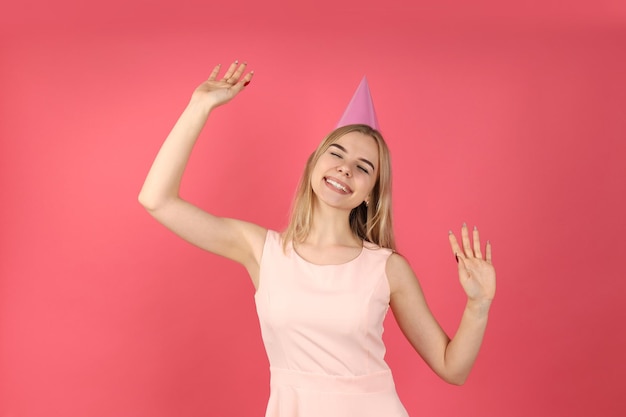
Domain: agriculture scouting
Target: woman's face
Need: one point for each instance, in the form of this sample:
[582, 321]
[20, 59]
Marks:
[346, 172]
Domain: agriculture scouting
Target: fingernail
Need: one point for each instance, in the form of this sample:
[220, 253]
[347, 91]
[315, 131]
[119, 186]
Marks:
[236, 61]
[246, 83]
[464, 224]
[475, 228]
[449, 232]
[456, 257]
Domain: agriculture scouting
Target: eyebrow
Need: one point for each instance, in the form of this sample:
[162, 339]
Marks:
[336, 145]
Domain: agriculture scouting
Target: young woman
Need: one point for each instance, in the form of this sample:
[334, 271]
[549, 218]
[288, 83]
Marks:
[324, 285]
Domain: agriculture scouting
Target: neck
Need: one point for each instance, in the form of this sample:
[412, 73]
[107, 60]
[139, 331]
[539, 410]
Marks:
[331, 226]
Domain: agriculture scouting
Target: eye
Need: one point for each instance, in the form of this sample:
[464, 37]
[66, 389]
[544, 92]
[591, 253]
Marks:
[363, 169]
[335, 154]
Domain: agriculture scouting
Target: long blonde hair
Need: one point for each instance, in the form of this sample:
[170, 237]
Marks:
[371, 222]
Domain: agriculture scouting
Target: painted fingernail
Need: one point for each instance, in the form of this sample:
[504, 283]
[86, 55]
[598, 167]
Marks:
[456, 257]
[449, 232]
[236, 61]
[246, 83]
[475, 228]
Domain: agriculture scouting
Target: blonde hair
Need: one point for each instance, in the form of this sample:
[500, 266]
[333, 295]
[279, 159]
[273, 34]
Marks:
[371, 222]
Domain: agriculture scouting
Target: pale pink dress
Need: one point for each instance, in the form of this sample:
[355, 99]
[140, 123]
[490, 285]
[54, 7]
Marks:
[322, 328]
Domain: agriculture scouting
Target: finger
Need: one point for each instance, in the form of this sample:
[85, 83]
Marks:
[488, 250]
[466, 241]
[230, 71]
[214, 73]
[454, 244]
[476, 240]
[244, 81]
[463, 271]
[237, 74]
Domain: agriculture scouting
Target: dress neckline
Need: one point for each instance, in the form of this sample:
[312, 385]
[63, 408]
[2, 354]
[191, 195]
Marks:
[349, 261]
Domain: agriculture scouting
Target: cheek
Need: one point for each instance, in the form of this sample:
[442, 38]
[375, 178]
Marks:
[368, 185]
[373, 183]
[316, 173]
[322, 166]
[322, 162]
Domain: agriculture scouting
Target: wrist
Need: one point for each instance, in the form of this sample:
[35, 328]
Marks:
[200, 106]
[479, 308]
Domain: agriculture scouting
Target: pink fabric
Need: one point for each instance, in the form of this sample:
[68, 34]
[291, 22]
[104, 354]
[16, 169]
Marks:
[322, 328]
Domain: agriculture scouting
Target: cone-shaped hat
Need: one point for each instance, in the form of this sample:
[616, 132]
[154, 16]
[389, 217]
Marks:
[361, 108]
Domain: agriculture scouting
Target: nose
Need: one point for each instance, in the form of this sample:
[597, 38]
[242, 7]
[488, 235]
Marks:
[345, 170]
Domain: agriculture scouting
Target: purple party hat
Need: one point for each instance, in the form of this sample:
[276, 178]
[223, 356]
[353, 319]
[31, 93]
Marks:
[361, 108]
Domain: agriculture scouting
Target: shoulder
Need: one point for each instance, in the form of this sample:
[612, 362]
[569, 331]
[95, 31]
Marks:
[251, 233]
[272, 235]
[272, 243]
[375, 249]
[375, 256]
[398, 266]
[399, 273]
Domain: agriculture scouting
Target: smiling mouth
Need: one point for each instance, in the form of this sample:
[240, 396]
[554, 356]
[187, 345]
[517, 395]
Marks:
[337, 185]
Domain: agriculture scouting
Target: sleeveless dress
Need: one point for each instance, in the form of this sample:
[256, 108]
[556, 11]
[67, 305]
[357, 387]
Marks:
[322, 328]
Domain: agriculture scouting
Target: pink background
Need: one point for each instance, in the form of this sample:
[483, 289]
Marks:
[511, 118]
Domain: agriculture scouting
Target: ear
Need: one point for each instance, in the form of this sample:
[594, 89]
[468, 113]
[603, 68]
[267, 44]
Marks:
[367, 201]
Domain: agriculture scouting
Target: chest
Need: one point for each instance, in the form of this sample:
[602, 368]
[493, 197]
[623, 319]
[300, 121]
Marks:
[332, 255]
[341, 297]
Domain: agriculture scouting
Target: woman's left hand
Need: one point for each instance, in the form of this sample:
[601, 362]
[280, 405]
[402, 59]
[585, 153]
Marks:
[477, 275]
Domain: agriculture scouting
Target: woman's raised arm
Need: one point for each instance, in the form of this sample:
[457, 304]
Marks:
[451, 359]
[235, 239]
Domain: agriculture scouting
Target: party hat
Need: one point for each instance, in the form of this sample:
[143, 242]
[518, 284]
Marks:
[361, 108]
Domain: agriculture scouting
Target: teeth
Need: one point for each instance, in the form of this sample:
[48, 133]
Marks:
[336, 185]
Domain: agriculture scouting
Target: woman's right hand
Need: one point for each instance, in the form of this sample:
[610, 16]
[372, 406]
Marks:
[214, 92]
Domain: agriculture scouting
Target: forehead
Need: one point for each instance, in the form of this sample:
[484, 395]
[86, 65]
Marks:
[360, 145]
